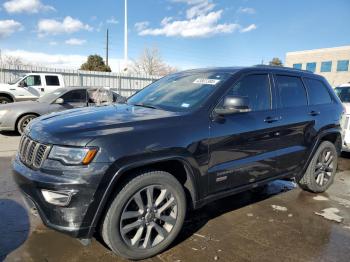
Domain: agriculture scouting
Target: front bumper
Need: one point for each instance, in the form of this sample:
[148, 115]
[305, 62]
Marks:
[76, 218]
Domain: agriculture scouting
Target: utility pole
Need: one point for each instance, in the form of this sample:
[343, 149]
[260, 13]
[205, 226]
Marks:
[126, 35]
[107, 46]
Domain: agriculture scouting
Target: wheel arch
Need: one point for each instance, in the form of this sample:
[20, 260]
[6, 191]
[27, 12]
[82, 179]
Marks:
[332, 135]
[22, 115]
[8, 95]
[177, 166]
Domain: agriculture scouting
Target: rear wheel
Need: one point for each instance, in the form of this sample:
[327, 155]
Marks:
[320, 174]
[23, 122]
[145, 216]
[5, 100]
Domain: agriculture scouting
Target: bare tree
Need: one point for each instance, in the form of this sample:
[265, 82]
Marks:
[150, 63]
[12, 60]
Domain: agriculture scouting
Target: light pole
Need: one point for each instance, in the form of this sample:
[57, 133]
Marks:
[126, 35]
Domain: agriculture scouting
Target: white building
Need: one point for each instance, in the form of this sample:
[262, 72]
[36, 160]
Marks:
[332, 63]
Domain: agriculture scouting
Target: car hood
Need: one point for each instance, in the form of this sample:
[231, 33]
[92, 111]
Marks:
[4, 86]
[80, 126]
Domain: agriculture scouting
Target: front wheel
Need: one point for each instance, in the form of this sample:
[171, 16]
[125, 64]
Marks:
[320, 173]
[146, 215]
[23, 122]
[5, 100]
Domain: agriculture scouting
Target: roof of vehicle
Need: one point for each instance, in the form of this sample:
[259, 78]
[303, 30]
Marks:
[45, 74]
[233, 70]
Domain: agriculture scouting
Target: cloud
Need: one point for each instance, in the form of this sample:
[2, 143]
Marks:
[54, 27]
[246, 10]
[75, 41]
[200, 9]
[8, 27]
[72, 61]
[26, 6]
[53, 43]
[112, 20]
[201, 21]
[141, 25]
[248, 28]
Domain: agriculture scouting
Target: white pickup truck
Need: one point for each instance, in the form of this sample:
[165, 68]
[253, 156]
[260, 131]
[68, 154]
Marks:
[343, 92]
[30, 87]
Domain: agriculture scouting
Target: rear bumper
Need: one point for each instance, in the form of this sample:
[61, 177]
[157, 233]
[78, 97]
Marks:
[76, 218]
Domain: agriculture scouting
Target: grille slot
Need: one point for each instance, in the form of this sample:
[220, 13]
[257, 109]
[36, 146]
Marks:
[32, 153]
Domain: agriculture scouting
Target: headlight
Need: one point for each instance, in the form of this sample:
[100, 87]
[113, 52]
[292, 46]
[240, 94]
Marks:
[73, 155]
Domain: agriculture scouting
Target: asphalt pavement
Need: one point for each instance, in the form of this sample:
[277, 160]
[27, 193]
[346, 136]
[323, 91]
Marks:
[281, 223]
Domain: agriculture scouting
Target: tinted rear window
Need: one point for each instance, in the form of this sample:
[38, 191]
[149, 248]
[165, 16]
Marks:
[318, 92]
[291, 91]
[52, 81]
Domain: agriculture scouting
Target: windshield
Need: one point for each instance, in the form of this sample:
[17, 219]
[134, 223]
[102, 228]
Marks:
[15, 80]
[50, 97]
[179, 92]
[343, 93]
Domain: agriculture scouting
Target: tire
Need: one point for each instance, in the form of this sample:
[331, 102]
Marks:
[320, 173]
[5, 100]
[23, 122]
[116, 225]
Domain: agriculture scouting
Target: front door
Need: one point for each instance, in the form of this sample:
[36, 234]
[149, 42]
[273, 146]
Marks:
[29, 88]
[243, 146]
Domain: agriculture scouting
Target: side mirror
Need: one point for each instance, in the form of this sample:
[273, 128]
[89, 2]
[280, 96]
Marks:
[59, 101]
[233, 104]
[22, 84]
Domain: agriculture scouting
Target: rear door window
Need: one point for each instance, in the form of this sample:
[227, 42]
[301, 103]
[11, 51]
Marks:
[52, 81]
[318, 92]
[291, 91]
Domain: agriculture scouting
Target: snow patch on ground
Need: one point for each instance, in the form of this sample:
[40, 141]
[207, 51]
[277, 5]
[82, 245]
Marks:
[279, 208]
[320, 198]
[331, 214]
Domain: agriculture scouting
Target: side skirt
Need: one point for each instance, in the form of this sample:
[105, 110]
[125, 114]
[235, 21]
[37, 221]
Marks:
[240, 189]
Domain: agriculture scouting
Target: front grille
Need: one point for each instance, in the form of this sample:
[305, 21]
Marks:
[32, 153]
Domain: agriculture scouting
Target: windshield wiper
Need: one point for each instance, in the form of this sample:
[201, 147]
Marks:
[145, 105]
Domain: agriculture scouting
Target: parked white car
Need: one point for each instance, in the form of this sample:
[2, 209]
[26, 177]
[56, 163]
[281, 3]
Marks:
[30, 87]
[343, 92]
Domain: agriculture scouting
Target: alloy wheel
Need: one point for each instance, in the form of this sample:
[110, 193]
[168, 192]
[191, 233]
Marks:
[325, 167]
[148, 217]
[25, 123]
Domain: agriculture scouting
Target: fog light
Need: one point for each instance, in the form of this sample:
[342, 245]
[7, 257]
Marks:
[58, 198]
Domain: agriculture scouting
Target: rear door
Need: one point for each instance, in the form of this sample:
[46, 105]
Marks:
[322, 109]
[295, 125]
[52, 83]
[243, 146]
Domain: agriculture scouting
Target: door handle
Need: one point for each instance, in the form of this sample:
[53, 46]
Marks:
[314, 113]
[270, 119]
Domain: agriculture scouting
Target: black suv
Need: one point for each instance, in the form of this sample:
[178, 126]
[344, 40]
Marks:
[133, 170]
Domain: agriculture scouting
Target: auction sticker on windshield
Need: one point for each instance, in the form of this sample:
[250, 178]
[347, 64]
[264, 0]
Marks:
[206, 81]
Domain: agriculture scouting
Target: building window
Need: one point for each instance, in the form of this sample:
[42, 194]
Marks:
[311, 67]
[326, 66]
[297, 66]
[342, 65]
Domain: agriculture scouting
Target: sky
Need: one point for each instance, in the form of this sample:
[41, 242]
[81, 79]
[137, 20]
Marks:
[188, 33]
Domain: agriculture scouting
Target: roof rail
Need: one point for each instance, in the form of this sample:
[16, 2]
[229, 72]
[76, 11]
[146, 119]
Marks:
[284, 68]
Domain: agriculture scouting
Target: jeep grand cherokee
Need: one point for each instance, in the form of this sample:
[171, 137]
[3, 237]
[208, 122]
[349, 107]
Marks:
[132, 171]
